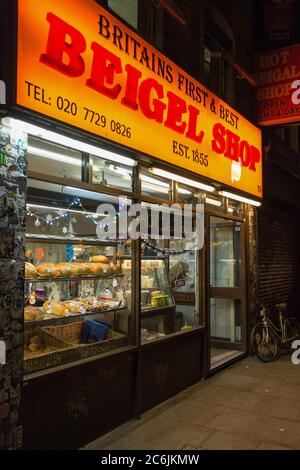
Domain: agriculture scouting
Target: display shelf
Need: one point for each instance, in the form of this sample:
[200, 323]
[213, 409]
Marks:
[61, 320]
[34, 238]
[148, 312]
[72, 278]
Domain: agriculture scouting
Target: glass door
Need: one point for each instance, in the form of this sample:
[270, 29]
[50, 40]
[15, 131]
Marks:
[227, 296]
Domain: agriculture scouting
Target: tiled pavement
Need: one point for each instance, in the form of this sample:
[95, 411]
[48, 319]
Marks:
[251, 405]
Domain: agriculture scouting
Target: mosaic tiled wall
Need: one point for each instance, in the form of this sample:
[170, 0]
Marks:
[13, 146]
[253, 264]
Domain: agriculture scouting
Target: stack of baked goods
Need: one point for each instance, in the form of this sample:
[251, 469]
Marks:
[98, 266]
[36, 346]
[32, 313]
[63, 308]
[30, 270]
[91, 303]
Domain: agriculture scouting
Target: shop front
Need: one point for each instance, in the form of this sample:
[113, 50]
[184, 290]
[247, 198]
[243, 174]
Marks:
[140, 185]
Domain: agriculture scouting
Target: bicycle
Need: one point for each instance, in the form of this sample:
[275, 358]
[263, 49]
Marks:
[267, 338]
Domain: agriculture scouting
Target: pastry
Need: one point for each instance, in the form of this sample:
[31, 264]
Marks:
[83, 268]
[156, 293]
[56, 271]
[45, 269]
[95, 268]
[65, 269]
[99, 259]
[56, 307]
[77, 269]
[105, 269]
[30, 270]
[88, 302]
[73, 306]
[32, 313]
[116, 268]
[86, 267]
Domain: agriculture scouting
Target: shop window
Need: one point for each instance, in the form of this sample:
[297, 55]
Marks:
[170, 278]
[111, 174]
[218, 73]
[156, 187]
[214, 204]
[142, 15]
[75, 302]
[189, 195]
[235, 208]
[54, 160]
[126, 9]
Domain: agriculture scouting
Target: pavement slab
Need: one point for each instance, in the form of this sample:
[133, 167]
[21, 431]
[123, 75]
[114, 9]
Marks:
[250, 405]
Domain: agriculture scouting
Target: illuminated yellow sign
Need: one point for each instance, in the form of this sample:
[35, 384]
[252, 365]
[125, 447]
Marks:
[80, 65]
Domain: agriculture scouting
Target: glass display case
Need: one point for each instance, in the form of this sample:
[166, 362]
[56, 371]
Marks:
[74, 284]
[157, 302]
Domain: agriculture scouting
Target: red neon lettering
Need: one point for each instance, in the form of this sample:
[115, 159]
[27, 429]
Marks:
[105, 65]
[131, 89]
[218, 144]
[232, 146]
[176, 108]
[57, 46]
[146, 88]
[192, 129]
[255, 157]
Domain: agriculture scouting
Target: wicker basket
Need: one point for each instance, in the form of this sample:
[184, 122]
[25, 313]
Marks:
[63, 352]
[71, 333]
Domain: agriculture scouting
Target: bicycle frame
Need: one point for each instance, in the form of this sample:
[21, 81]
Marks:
[280, 332]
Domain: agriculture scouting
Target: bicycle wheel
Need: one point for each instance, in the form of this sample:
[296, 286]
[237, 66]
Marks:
[264, 342]
[291, 330]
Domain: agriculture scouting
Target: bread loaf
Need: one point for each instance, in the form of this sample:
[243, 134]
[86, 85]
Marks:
[30, 270]
[99, 259]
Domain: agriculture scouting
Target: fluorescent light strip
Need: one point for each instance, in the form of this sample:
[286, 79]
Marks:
[119, 170]
[154, 182]
[66, 141]
[155, 188]
[63, 209]
[181, 179]
[54, 156]
[213, 202]
[245, 200]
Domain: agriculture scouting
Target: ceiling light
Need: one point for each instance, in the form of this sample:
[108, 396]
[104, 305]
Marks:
[181, 179]
[155, 188]
[154, 181]
[54, 156]
[121, 171]
[213, 202]
[66, 141]
[245, 200]
[184, 191]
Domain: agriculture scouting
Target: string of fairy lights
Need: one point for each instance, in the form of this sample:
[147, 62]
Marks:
[62, 214]
[164, 251]
[76, 204]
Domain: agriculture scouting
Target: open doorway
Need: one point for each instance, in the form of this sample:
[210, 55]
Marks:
[227, 296]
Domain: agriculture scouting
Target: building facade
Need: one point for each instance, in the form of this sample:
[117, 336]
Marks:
[205, 321]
